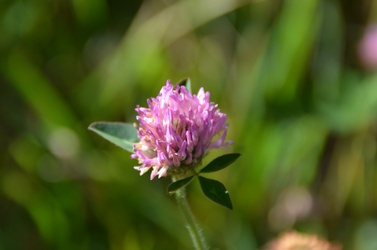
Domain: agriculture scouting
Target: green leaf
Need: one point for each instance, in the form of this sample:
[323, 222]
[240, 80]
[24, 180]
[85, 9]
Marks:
[216, 191]
[220, 163]
[179, 184]
[121, 134]
[185, 82]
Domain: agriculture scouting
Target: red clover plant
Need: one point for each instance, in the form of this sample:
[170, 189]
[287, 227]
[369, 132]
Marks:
[171, 138]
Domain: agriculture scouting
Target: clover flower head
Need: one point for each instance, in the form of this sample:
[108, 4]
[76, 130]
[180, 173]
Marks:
[368, 48]
[177, 130]
[294, 240]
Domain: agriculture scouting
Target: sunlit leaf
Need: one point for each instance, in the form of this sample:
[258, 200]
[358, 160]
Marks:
[185, 82]
[179, 184]
[220, 163]
[121, 134]
[216, 191]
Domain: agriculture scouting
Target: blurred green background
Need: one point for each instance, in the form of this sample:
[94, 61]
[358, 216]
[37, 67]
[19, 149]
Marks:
[302, 110]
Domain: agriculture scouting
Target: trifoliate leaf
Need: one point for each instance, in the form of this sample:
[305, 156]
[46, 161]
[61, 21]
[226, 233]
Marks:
[121, 134]
[185, 82]
[220, 163]
[216, 191]
[179, 184]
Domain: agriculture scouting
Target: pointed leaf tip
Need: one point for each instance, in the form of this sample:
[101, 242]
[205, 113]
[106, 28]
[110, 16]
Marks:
[179, 184]
[216, 191]
[185, 82]
[123, 135]
[220, 163]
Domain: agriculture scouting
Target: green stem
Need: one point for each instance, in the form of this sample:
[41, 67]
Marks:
[193, 228]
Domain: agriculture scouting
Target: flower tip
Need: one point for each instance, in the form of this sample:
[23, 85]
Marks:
[162, 173]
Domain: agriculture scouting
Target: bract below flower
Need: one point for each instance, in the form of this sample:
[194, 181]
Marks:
[176, 131]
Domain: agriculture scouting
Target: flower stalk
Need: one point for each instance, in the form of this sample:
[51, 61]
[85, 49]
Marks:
[192, 226]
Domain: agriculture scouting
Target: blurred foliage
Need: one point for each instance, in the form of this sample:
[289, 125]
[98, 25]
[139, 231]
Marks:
[301, 107]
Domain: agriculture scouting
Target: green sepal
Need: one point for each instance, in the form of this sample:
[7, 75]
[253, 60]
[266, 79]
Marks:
[179, 184]
[220, 163]
[185, 82]
[123, 135]
[216, 191]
